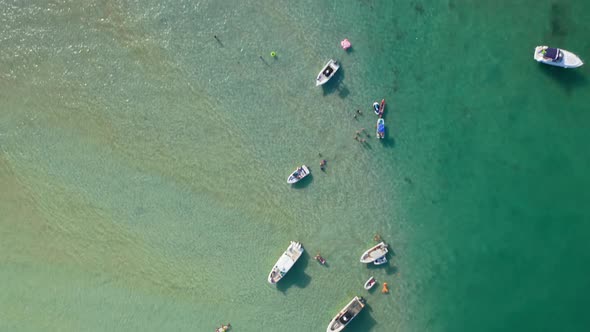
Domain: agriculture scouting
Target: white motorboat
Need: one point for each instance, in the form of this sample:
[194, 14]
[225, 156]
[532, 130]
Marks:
[376, 107]
[380, 128]
[339, 322]
[370, 283]
[285, 262]
[374, 253]
[557, 57]
[298, 174]
[327, 72]
[381, 260]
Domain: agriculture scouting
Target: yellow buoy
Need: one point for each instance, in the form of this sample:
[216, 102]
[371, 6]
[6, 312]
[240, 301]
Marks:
[273, 54]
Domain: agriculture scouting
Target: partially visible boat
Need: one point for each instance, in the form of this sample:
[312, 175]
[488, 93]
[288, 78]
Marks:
[370, 283]
[381, 260]
[380, 128]
[374, 253]
[298, 174]
[327, 72]
[556, 57]
[223, 328]
[347, 314]
[285, 262]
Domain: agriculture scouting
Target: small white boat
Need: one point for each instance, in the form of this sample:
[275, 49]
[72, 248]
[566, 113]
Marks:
[380, 128]
[298, 174]
[327, 72]
[380, 260]
[223, 328]
[557, 57]
[285, 262]
[339, 322]
[374, 253]
[370, 283]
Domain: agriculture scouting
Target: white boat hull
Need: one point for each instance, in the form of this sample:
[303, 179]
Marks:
[346, 315]
[298, 174]
[376, 108]
[327, 72]
[374, 253]
[568, 60]
[370, 283]
[380, 261]
[285, 262]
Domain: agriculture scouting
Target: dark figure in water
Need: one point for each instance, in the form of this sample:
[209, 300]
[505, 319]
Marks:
[323, 165]
[320, 259]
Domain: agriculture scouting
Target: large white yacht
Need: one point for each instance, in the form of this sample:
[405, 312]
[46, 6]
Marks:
[285, 262]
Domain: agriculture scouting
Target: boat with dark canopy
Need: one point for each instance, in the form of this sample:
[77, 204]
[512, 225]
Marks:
[298, 174]
[556, 57]
[327, 72]
[347, 314]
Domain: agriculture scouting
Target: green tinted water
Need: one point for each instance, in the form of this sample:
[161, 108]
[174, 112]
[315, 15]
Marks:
[143, 165]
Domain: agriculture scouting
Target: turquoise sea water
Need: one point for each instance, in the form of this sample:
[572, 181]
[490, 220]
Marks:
[143, 165]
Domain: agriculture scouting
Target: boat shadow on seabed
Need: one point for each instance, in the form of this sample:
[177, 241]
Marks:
[389, 268]
[296, 275]
[335, 84]
[363, 322]
[388, 141]
[303, 183]
[568, 79]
